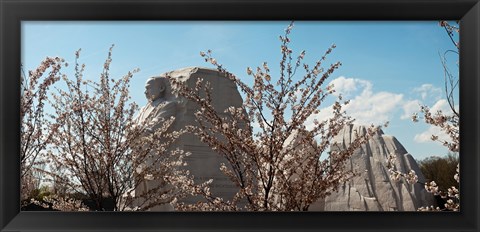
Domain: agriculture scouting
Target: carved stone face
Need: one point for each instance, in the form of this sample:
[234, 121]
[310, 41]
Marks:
[154, 89]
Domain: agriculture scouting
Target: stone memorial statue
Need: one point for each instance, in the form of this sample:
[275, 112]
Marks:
[373, 189]
[160, 105]
[203, 163]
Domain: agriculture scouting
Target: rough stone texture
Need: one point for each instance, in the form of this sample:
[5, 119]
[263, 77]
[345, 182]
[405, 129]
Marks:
[204, 163]
[160, 106]
[297, 138]
[373, 190]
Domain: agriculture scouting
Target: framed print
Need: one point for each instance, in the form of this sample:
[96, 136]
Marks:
[239, 115]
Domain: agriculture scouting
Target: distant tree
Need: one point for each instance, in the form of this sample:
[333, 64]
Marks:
[441, 170]
[273, 172]
[40, 193]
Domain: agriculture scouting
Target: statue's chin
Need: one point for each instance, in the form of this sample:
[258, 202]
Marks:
[150, 99]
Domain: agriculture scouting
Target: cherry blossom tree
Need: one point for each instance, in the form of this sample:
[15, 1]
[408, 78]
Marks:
[104, 153]
[34, 134]
[60, 203]
[447, 122]
[281, 165]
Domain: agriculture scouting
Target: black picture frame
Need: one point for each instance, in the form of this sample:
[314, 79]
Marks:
[12, 12]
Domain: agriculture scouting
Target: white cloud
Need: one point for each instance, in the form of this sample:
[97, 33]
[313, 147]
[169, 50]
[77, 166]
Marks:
[349, 86]
[256, 127]
[428, 94]
[366, 107]
[431, 94]
[376, 108]
[325, 113]
[409, 108]
[425, 136]
[441, 105]
[428, 91]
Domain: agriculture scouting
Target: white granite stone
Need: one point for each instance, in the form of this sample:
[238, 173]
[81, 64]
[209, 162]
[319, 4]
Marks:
[203, 163]
[373, 190]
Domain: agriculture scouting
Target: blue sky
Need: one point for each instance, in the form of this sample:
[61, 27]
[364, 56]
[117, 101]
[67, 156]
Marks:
[389, 68]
